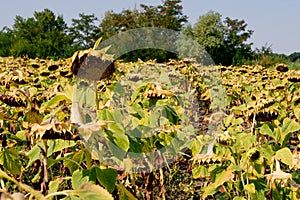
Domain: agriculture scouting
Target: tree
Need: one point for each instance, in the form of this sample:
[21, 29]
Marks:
[209, 33]
[114, 23]
[225, 41]
[24, 33]
[169, 15]
[265, 56]
[294, 57]
[188, 47]
[236, 36]
[83, 31]
[41, 36]
[6, 40]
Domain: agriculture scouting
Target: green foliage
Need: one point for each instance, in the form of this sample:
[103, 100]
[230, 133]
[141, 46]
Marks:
[83, 31]
[22, 47]
[252, 156]
[169, 15]
[40, 36]
[6, 40]
[224, 41]
[236, 37]
[294, 57]
[294, 65]
[10, 161]
[43, 155]
[209, 31]
[46, 35]
[285, 156]
[265, 57]
[106, 177]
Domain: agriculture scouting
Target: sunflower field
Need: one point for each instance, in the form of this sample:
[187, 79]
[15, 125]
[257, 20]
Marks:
[48, 152]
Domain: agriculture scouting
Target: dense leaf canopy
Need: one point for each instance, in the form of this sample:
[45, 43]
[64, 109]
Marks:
[47, 35]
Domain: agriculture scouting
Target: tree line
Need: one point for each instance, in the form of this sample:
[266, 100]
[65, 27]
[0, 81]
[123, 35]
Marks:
[46, 35]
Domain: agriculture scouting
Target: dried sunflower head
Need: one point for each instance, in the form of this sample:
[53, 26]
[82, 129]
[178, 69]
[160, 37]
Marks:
[294, 76]
[265, 103]
[158, 94]
[266, 114]
[225, 139]
[207, 159]
[12, 100]
[282, 67]
[253, 154]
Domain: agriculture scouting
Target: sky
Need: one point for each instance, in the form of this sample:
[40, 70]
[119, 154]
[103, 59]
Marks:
[276, 23]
